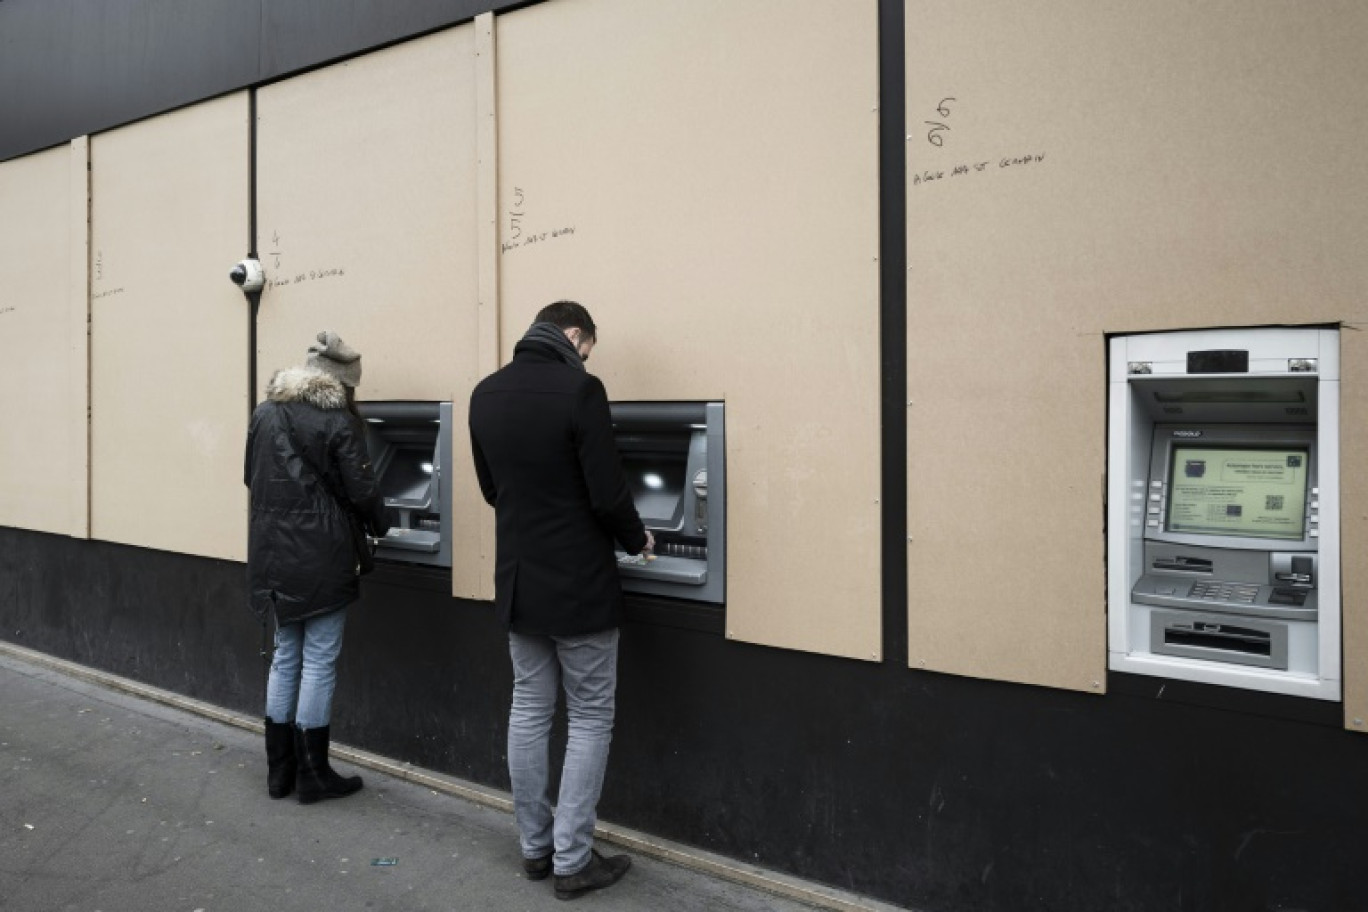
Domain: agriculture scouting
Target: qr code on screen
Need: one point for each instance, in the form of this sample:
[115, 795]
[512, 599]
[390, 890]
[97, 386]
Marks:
[1273, 502]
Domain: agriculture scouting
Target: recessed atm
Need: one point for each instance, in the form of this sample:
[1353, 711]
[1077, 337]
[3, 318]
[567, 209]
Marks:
[674, 456]
[410, 449]
[1223, 523]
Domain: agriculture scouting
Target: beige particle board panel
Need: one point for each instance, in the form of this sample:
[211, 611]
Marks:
[1354, 521]
[43, 353]
[1073, 172]
[703, 176]
[168, 346]
[477, 541]
[367, 226]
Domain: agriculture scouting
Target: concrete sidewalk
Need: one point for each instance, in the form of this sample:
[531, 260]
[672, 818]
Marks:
[119, 798]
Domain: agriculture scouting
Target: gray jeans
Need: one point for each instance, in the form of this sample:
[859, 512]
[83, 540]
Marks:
[586, 667]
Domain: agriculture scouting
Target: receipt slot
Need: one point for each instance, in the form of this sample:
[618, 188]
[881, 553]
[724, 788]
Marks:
[410, 449]
[1223, 508]
[674, 456]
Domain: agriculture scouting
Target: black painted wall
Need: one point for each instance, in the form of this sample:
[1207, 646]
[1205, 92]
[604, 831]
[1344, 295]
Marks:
[72, 67]
[943, 793]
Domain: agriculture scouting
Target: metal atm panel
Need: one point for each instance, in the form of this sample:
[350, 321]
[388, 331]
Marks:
[410, 448]
[674, 456]
[1223, 532]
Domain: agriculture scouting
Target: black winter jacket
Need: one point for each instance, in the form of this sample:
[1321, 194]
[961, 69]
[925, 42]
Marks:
[547, 462]
[301, 560]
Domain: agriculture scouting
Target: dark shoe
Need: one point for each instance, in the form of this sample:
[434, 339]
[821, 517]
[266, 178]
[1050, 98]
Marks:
[316, 780]
[600, 872]
[280, 758]
[537, 868]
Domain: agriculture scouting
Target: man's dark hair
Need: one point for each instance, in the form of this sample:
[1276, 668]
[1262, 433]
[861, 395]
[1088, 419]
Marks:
[568, 315]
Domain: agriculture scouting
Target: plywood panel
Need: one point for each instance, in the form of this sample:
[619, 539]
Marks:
[1077, 169]
[169, 331]
[1354, 522]
[703, 176]
[478, 541]
[43, 366]
[367, 226]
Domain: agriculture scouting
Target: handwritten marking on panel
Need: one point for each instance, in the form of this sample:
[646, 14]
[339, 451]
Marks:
[934, 135]
[517, 236]
[275, 254]
[515, 215]
[312, 275]
[931, 175]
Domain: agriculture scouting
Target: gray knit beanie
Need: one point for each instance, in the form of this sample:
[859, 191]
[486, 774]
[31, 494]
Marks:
[333, 356]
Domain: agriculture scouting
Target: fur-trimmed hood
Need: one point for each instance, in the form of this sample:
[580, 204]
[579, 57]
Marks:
[303, 384]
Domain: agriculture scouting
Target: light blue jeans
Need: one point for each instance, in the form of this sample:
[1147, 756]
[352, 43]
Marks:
[303, 674]
[586, 667]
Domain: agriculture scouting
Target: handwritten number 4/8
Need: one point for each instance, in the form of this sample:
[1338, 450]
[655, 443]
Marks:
[933, 136]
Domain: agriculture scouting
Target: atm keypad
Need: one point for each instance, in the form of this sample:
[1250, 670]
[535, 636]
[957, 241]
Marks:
[1225, 592]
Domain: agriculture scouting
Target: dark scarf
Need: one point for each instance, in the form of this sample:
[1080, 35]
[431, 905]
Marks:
[549, 335]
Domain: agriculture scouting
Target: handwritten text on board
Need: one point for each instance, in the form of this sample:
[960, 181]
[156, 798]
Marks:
[930, 175]
[517, 236]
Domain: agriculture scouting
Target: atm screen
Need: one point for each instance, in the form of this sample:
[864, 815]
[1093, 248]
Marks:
[409, 476]
[1242, 491]
[657, 484]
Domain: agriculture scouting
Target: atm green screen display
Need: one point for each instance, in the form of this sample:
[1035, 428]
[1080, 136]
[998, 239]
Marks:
[1238, 491]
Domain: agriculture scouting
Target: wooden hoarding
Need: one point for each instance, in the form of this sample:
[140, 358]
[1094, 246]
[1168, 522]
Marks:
[168, 349]
[1080, 169]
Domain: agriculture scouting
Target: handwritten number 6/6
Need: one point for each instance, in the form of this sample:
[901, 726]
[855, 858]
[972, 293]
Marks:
[941, 109]
[933, 135]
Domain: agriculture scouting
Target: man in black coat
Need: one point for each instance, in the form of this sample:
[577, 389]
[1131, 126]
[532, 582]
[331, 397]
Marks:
[548, 464]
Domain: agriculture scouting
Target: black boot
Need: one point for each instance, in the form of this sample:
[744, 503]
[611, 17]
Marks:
[600, 872]
[316, 778]
[280, 758]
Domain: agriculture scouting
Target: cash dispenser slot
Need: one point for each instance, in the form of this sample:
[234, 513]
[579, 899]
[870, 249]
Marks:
[673, 456]
[410, 450]
[1244, 642]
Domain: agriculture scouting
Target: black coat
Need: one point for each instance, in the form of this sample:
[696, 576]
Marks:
[301, 558]
[548, 464]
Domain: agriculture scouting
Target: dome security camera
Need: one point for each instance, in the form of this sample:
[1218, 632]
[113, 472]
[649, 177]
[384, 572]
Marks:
[248, 276]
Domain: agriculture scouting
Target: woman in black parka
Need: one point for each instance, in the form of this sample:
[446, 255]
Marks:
[305, 450]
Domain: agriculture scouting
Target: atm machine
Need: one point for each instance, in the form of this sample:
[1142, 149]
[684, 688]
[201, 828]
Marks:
[674, 454]
[1223, 508]
[410, 450]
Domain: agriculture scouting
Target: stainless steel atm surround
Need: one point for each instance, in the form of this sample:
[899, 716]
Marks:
[410, 448]
[1223, 552]
[674, 454]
